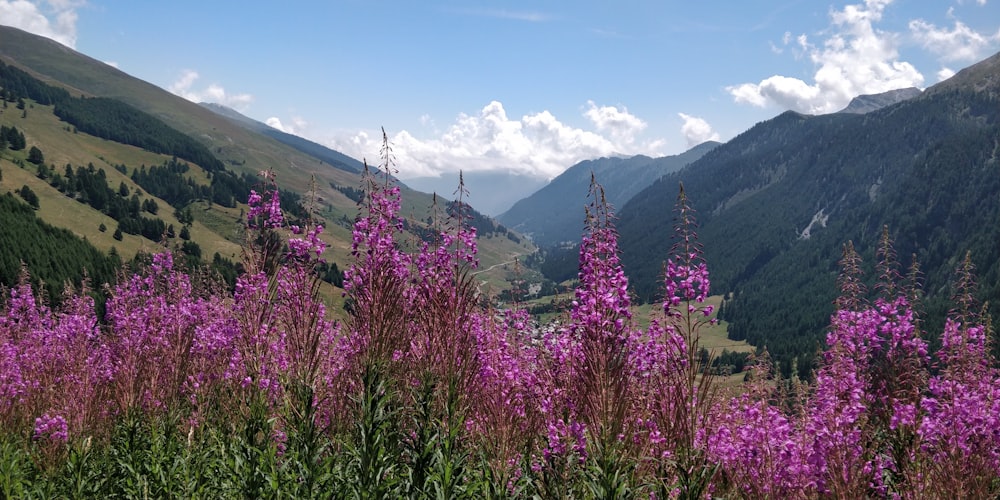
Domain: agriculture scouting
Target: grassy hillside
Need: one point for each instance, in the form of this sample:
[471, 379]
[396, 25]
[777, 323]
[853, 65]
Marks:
[62, 146]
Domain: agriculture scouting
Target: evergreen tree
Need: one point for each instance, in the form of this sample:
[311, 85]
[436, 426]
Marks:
[191, 248]
[184, 216]
[29, 196]
[13, 137]
[149, 205]
[35, 155]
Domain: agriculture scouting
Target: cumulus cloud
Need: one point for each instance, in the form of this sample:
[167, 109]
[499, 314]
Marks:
[55, 19]
[855, 58]
[275, 122]
[696, 130]
[959, 43]
[214, 93]
[537, 144]
[622, 125]
[945, 73]
[296, 125]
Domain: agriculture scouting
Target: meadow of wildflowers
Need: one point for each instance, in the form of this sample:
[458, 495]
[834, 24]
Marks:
[428, 390]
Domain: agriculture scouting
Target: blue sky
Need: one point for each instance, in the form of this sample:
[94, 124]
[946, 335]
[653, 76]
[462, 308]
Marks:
[525, 86]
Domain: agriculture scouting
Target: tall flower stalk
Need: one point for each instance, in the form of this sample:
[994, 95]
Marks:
[377, 284]
[682, 390]
[601, 321]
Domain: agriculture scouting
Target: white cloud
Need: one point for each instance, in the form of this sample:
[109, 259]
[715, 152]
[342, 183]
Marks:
[960, 43]
[945, 73]
[214, 93]
[855, 58]
[537, 144]
[696, 130]
[55, 19]
[622, 125]
[275, 122]
[113, 64]
[296, 125]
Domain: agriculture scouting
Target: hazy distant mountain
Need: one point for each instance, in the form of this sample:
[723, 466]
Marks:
[554, 214]
[316, 150]
[776, 204]
[489, 192]
[870, 102]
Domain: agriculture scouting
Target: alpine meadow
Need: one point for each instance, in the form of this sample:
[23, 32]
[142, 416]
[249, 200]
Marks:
[195, 304]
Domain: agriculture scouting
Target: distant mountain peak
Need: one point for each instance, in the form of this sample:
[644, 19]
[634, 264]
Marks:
[871, 102]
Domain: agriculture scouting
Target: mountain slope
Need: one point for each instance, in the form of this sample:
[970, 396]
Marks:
[926, 167]
[334, 158]
[554, 214]
[242, 149]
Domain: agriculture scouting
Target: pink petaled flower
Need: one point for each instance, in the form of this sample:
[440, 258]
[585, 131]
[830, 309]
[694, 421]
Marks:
[280, 441]
[557, 433]
[51, 428]
[302, 248]
[254, 199]
[904, 414]
[12, 385]
[269, 211]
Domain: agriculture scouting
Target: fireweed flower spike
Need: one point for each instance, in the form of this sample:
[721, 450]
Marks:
[286, 347]
[601, 323]
[377, 283]
[681, 394]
